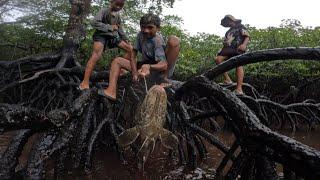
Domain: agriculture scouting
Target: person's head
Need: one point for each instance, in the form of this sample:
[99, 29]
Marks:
[150, 25]
[229, 21]
[116, 5]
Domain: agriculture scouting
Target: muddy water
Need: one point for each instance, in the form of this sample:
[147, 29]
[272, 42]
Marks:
[160, 164]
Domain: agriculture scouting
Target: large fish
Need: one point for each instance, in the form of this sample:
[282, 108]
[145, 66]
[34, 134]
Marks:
[150, 120]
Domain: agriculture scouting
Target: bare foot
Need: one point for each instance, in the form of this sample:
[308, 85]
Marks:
[166, 80]
[123, 72]
[238, 92]
[165, 85]
[101, 92]
[83, 86]
[109, 94]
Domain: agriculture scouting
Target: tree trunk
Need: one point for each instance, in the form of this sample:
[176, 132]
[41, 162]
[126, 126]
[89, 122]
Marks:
[75, 32]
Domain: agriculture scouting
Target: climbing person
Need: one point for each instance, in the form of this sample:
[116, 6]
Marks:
[235, 43]
[158, 57]
[108, 34]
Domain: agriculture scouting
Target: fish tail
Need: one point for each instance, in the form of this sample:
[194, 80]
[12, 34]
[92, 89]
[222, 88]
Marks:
[145, 150]
[168, 139]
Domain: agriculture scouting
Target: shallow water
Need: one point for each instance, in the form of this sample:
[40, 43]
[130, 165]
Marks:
[160, 165]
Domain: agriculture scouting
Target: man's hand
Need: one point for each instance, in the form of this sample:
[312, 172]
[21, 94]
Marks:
[145, 70]
[115, 27]
[242, 47]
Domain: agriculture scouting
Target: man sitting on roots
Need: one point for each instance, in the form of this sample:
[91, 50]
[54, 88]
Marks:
[157, 56]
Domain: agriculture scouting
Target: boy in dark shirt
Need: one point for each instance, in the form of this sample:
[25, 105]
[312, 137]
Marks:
[235, 43]
[157, 56]
[109, 34]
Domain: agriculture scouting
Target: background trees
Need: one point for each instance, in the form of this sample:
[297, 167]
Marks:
[61, 30]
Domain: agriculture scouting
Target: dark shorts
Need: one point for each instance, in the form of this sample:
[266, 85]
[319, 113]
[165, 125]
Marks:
[229, 52]
[108, 42]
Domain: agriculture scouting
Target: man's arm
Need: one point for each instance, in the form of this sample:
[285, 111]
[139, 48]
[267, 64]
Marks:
[160, 66]
[133, 64]
[246, 40]
[160, 55]
[98, 24]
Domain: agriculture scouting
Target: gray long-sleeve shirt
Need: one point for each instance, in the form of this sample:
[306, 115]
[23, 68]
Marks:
[103, 22]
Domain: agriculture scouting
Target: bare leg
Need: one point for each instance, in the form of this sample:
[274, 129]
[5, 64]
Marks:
[96, 55]
[240, 75]
[172, 53]
[220, 59]
[116, 65]
[129, 50]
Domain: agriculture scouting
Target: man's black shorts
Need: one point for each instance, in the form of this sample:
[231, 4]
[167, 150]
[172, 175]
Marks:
[229, 52]
[109, 42]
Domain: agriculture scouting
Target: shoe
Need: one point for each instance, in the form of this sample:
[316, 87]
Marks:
[101, 93]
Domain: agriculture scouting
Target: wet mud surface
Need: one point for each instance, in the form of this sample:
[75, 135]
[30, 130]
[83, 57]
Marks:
[160, 164]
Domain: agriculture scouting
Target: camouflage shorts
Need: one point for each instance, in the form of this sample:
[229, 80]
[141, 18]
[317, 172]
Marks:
[229, 52]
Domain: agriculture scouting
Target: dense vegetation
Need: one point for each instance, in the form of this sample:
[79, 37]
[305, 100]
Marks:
[41, 25]
[40, 97]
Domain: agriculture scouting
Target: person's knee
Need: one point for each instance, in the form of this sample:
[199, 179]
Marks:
[97, 54]
[173, 41]
[117, 62]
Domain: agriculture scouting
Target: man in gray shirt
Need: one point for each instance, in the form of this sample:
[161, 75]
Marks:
[157, 55]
